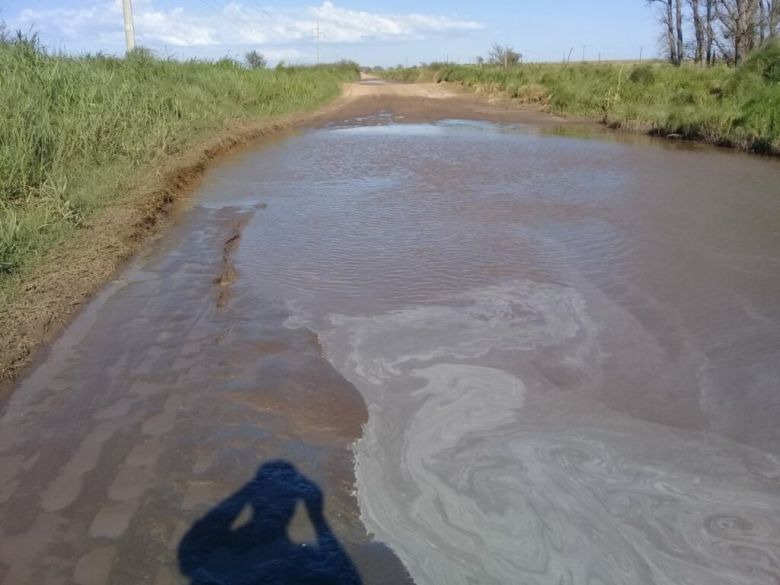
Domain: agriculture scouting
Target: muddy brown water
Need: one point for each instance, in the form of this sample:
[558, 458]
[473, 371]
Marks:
[506, 353]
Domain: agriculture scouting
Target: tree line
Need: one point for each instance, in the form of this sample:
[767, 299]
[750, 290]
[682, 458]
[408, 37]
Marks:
[722, 30]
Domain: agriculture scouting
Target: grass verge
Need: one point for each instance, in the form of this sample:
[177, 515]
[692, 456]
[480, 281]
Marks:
[92, 152]
[720, 105]
[74, 131]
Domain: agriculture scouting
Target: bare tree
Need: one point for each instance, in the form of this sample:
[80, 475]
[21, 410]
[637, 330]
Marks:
[672, 19]
[762, 21]
[503, 55]
[679, 26]
[770, 18]
[739, 24]
[699, 30]
[703, 16]
[710, 18]
[722, 29]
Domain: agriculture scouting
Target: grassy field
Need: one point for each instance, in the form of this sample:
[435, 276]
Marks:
[732, 107]
[75, 132]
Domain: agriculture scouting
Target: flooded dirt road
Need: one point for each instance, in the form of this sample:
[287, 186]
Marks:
[505, 351]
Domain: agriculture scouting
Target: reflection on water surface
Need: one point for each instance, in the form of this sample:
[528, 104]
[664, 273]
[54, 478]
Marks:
[567, 346]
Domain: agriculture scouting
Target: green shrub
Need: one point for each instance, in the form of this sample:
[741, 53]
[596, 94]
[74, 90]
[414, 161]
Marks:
[642, 75]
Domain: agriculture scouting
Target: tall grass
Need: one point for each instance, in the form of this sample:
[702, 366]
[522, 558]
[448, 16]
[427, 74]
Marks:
[73, 131]
[735, 107]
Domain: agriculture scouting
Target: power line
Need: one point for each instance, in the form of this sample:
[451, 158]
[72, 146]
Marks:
[263, 9]
[242, 25]
[222, 14]
[317, 39]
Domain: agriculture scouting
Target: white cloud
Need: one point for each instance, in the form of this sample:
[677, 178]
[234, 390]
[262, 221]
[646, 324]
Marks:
[342, 25]
[234, 24]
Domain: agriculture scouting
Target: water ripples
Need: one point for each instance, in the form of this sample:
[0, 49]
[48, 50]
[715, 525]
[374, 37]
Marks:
[490, 309]
[454, 461]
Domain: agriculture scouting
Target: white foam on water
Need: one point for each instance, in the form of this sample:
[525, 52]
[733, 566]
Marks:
[470, 484]
[515, 316]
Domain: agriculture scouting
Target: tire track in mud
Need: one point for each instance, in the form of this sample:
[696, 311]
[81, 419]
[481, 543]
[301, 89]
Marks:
[228, 274]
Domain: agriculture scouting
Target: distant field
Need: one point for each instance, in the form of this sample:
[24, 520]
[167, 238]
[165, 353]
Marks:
[720, 105]
[74, 132]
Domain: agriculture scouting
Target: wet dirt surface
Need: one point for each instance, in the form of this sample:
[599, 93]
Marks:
[541, 356]
[160, 400]
[429, 102]
[36, 307]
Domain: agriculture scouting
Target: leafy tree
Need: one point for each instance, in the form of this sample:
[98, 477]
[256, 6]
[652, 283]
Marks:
[255, 60]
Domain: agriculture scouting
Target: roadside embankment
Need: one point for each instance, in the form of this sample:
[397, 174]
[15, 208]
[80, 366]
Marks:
[93, 151]
[735, 107]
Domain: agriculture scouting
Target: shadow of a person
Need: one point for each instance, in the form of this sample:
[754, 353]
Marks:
[216, 552]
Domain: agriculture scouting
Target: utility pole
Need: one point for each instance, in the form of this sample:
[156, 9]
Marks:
[583, 52]
[316, 38]
[127, 8]
[640, 53]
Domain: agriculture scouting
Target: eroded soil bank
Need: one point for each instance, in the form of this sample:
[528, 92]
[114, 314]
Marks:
[40, 303]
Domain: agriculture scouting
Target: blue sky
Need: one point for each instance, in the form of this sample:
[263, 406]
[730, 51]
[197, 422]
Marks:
[370, 32]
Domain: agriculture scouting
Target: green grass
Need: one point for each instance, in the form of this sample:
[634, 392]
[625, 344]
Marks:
[733, 107]
[406, 74]
[76, 131]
